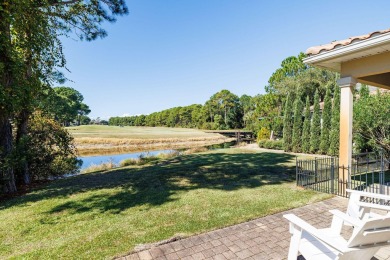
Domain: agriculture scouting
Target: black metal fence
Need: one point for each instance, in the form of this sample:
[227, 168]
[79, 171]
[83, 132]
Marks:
[368, 172]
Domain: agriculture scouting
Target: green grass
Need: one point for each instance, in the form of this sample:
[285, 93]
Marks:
[105, 214]
[101, 131]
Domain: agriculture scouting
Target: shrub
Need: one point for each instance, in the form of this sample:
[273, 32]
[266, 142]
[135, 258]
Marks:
[261, 143]
[271, 144]
[51, 151]
[263, 134]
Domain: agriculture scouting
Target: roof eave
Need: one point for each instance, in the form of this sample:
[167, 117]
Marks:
[328, 56]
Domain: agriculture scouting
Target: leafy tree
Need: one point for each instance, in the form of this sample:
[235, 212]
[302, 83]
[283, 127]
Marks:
[82, 112]
[306, 128]
[84, 120]
[227, 105]
[297, 127]
[335, 130]
[326, 123]
[67, 105]
[287, 125]
[267, 113]
[372, 132]
[30, 58]
[298, 79]
[290, 67]
[315, 125]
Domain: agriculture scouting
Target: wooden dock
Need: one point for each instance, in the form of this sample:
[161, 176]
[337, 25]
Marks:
[239, 135]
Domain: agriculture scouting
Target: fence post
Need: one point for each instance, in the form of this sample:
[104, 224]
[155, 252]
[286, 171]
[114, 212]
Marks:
[332, 175]
[296, 169]
[315, 170]
[382, 175]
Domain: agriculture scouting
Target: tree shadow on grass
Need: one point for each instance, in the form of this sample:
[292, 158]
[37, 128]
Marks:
[119, 189]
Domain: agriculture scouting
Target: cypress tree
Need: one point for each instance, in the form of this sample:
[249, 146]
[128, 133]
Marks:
[315, 134]
[364, 91]
[297, 127]
[306, 128]
[287, 124]
[335, 130]
[326, 122]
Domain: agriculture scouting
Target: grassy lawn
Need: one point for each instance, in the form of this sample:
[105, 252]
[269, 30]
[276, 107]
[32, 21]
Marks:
[106, 214]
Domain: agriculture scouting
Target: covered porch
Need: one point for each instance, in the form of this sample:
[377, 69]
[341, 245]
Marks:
[360, 59]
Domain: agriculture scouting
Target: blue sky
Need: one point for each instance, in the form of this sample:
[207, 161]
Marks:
[169, 53]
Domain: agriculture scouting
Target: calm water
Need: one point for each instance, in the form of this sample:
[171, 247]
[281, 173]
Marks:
[115, 158]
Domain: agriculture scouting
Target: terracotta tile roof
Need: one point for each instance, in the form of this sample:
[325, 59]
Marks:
[330, 46]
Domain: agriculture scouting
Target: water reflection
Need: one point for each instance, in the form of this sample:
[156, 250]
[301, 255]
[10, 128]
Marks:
[116, 158]
[87, 161]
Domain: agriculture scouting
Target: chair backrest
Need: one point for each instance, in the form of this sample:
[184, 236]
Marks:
[373, 231]
[353, 209]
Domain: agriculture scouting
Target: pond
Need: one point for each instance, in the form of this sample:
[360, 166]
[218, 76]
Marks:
[117, 158]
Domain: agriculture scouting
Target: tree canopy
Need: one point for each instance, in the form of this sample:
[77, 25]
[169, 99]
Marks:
[67, 105]
[31, 60]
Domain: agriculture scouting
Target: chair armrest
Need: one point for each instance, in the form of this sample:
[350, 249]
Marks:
[347, 218]
[369, 194]
[373, 206]
[313, 231]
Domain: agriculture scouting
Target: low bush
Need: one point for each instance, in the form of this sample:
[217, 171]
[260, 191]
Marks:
[261, 143]
[271, 144]
[263, 134]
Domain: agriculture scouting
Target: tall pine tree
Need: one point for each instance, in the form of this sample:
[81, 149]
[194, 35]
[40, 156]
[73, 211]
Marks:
[287, 124]
[297, 127]
[335, 131]
[315, 125]
[306, 128]
[326, 122]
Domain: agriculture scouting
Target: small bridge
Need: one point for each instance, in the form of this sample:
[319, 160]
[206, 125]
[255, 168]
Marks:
[239, 135]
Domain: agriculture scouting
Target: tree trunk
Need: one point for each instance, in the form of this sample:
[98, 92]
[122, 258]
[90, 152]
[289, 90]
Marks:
[7, 173]
[24, 174]
[6, 79]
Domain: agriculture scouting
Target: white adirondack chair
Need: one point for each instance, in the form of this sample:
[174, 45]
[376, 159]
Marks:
[368, 237]
[360, 205]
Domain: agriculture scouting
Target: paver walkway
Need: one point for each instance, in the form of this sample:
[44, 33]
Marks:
[262, 238]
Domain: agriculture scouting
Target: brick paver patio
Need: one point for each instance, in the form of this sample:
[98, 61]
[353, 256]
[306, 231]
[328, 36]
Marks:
[262, 238]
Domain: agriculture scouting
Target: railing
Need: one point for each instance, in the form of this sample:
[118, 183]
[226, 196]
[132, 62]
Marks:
[368, 172]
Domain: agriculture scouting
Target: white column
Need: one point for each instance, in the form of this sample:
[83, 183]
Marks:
[347, 85]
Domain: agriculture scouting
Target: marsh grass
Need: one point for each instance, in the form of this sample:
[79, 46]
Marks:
[142, 133]
[99, 167]
[94, 140]
[106, 214]
[141, 160]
